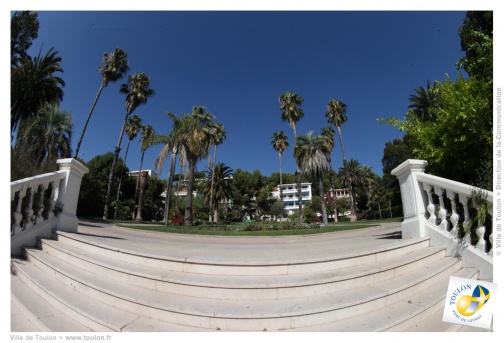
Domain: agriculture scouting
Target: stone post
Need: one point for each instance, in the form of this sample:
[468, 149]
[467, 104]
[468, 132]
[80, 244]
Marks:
[413, 197]
[68, 193]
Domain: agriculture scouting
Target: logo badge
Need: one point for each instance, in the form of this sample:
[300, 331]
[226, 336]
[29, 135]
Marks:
[470, 302]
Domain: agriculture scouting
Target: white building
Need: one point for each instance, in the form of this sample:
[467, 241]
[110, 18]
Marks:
[290, 196]
[151, 173]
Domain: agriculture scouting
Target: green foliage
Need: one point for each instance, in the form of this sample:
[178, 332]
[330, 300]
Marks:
[24, 29]
[94, 185]
[47, 135]
[476, 39]
[34, 85]
[459, 142]
[394, 153]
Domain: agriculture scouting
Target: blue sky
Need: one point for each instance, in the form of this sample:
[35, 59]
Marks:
[237, 63]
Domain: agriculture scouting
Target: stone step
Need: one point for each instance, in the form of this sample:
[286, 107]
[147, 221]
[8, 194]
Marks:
[239, 315]
[257, 264]
[434, 323]
[38, 313]
[404, 315]
[47, 305]
[242, 287]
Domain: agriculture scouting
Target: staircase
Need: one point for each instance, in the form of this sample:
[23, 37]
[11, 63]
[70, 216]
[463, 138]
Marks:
[104, 278]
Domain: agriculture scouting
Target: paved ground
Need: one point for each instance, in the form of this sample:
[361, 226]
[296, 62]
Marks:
[251, 250]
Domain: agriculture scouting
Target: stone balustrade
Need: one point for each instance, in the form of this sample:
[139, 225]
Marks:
[452, 213]
[45, 202]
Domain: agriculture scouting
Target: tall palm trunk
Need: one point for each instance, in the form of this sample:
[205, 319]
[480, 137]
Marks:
[353, 215]
[211, 187]
[112, 169]
[169, 185]
[87, 120]
[120, 180]
[143, 180]
[188, 215]
[281, 190]
[138, 195]
[333, 193]
[342, 146]
[298, 183]
[321, 193]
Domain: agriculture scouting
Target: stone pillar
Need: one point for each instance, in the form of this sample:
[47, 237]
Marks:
[68, 193]
[413, 197]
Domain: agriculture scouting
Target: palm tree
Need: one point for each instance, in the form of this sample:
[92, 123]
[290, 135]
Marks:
[351, 176]
[423, 102]
[47, 135]
[137, 92]
[336, 115]
[34, 85]
[132, 128]
[114, 66]
[328, 133]
[311, 155]
[280, 144]
[171, 144]
[369, 182]
[290, 105]
[196, 142]
[217, 135]
[218, 185]
[147, 135]
[376, 197]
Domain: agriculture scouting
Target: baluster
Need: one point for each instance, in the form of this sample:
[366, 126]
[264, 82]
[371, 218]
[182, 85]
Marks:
[18, 216]
[464, 200]
[442, 210]
[47, 208]
[29, 210]
[490, 237]
[40, 205]
[480, 232]
[54, 196]
[454, 217]
[430, 206]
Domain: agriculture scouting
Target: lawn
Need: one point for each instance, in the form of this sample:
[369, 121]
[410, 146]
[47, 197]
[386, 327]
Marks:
[257, 229]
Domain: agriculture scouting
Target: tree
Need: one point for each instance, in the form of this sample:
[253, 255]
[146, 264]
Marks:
[94, 184]
[24, 29]
[35, 85]
[280, 144]
[219, 185]
[476, 40]
[328, 133]
[395, 153]
[311, 155]
[458, 145]
[196, 142]
[351, 176]
[171, 144]
[147, 135]
[48, 134]
[290, 105]
[114, 66]
[217, 135]
[336, 115]
[132, 128]
[423, 102]
[137, 92]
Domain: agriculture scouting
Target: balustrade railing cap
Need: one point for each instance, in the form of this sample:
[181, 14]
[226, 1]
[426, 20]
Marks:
[410, 166]
[73, 164]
